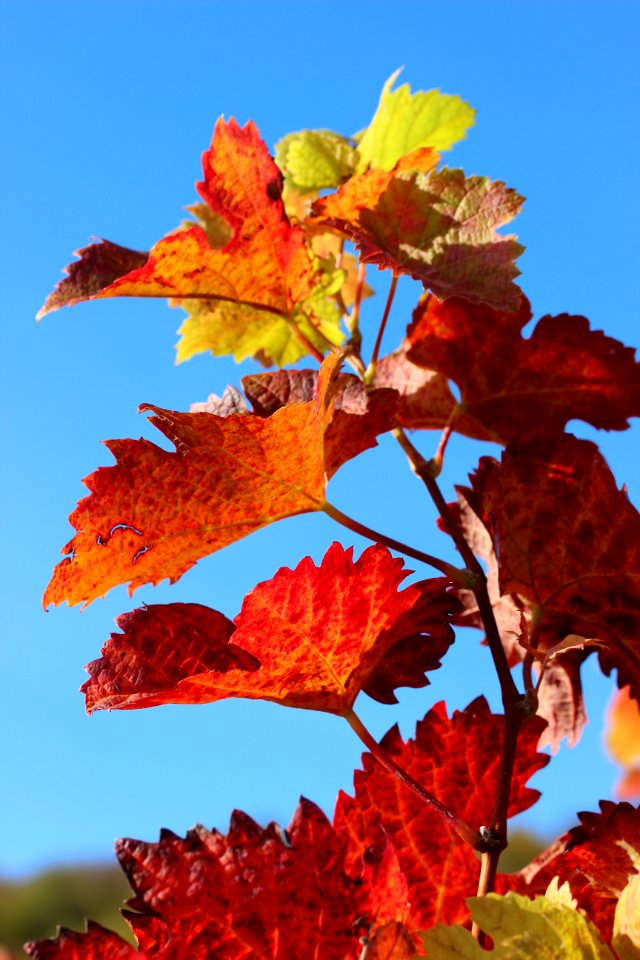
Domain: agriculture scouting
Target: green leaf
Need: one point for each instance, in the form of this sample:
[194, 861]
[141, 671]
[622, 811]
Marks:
[314, 159]
[405, 121]
[546, 928]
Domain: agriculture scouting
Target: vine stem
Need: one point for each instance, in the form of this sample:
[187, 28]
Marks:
[424, 469]
[458, 576]
[369, 375]
[463, 830]
[514, 708]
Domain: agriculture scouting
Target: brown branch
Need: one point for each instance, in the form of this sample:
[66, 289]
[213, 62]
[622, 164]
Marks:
[369, 375]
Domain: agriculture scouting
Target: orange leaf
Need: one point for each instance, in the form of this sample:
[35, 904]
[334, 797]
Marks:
[155, 513]
[511, 386]
[311, 637]
[266, 263]
[622, 738]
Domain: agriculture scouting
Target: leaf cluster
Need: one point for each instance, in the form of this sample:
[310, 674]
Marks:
[273, 266]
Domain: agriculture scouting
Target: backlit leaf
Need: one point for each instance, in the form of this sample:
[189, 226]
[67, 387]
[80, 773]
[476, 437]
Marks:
[254, 892]
[405, 121]
[568, 540]
[622, 739]
[545, 928]
[96, 943]
[513, 386]
[312, 160]
[439, 228]
[594, 859]
[456, 759]
[626, 921]
[155, 513]
[265, 266]
[311, 637]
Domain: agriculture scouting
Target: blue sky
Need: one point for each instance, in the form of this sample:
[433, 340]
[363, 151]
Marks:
[108, 107]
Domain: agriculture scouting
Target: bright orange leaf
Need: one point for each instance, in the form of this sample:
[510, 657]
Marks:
[311, 637]
[512, 386]
[265, 268]
[457, 760]
[155, 513]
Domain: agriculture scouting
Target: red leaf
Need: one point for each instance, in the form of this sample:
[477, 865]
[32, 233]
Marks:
[155, 513]
[515, 387]
[592, 859]
[100, 264]
[560, 700]
[254, 892]
[457, 760]
[96, 943]
[311, 637]
[568, 541]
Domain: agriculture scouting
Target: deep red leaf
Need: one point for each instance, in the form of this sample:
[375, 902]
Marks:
[592, 859]
[96, 943]
[457, 760]
[514, 386]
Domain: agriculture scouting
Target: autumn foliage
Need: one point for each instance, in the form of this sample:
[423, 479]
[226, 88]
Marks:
[272, 266]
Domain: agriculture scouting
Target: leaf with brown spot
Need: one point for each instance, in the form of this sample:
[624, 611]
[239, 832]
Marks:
[155, 513]
[312, 637]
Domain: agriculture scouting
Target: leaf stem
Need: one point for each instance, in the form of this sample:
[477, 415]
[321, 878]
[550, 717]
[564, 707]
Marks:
[301, 338]
[369, 375]
[458, 576]
[462, 829]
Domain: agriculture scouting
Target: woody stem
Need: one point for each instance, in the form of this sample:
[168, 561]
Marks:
[463, 830]
[383, 323]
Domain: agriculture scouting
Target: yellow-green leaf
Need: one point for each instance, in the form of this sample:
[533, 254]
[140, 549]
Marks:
[222, 327]
[405, 121]
[546, 928]
[626, 923]
[314, 159]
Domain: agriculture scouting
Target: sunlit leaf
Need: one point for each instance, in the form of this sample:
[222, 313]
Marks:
[405, 121]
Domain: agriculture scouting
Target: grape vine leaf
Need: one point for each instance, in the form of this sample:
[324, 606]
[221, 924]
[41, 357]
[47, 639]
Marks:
[261, 892]
[227, 477]
[265, 270]
[560, 699]
[311, 637]
[568, 541]
[95, 943]
[594, 859]
[622, 739]
[405, 121]
[515, 387]
[546, 928]
[313, 160]
[438, 227]
[457, 760]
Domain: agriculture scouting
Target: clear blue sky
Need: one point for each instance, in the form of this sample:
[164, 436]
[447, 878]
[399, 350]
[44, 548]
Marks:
[106, 109]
